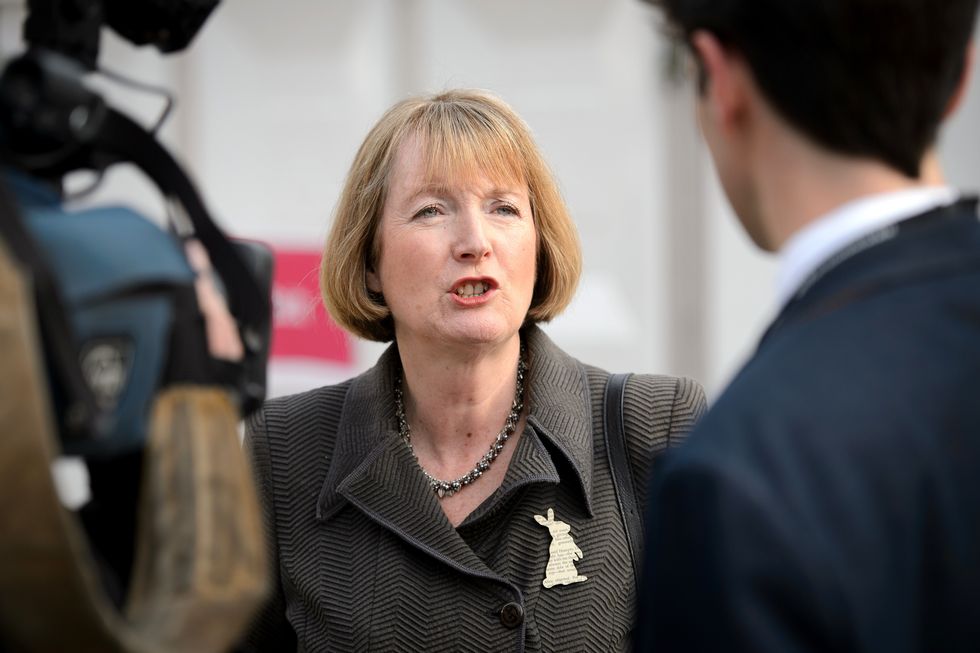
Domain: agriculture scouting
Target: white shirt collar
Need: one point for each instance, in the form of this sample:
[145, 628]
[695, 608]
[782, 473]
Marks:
[815, 243]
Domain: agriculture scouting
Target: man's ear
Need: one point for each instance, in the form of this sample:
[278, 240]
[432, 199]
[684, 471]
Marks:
[724, 72]
[960, 92]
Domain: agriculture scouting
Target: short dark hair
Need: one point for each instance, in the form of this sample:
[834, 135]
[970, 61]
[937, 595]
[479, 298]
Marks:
[861, 77]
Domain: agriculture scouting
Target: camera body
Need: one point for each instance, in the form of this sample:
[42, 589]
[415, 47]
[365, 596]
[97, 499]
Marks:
[51, 124]
[72, 27]
[109, 335]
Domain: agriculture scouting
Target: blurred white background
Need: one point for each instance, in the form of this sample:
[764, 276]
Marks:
[274, 98]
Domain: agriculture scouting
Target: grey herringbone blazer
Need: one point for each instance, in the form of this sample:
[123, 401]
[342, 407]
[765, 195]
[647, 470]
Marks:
[366, 560]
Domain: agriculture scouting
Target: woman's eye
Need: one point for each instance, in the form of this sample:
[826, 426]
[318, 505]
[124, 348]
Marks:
[507, 209]
[427, 212]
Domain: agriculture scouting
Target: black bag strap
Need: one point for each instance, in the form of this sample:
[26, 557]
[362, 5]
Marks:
[614, 432]
[250, 306]
[122, 136]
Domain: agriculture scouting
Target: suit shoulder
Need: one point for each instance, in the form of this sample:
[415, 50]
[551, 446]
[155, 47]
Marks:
[302, 403]
[303, 412]
[685, 395]
[289, 435]
[656, 403]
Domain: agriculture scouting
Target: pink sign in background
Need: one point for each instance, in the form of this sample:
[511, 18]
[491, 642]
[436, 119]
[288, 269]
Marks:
[301, 327]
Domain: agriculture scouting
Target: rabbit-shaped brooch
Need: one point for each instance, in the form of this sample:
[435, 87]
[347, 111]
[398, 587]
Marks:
[563, 553]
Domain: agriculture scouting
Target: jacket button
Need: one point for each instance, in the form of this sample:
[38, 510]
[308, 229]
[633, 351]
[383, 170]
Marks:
[512, 615]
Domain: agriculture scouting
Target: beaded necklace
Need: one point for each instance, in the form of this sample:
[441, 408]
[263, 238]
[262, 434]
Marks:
[443, 488]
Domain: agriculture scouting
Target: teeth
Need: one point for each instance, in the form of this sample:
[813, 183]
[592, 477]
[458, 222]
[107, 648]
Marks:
[473, 290]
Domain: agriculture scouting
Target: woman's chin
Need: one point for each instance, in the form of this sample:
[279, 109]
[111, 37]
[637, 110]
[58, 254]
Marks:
[458, 330]
[479, 332]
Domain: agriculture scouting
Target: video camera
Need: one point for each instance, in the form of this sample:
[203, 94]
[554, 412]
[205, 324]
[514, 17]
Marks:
[113, 358]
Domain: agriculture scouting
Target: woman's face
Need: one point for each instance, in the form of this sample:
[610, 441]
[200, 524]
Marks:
[457, 260]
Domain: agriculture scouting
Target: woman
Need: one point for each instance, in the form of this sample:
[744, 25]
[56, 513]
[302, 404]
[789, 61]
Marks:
[458, 495]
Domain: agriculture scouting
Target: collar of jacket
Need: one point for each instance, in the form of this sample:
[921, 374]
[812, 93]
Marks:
[369, 458]
[929, 245]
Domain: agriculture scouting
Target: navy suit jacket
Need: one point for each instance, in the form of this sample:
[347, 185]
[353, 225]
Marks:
[830, 500]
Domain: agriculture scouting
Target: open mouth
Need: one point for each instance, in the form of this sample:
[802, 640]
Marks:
[473, 289]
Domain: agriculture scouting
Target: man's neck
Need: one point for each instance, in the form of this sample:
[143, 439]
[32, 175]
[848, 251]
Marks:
[823, 239]
[802, 182]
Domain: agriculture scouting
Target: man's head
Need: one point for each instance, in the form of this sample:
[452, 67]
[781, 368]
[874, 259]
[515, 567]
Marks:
[867, 78]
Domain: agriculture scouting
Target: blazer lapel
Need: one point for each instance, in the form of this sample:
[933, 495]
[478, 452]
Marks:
[373, 470]
[560, 406]
[389, 488]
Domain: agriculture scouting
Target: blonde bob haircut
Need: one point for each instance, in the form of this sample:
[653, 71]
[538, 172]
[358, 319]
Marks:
[463, 133]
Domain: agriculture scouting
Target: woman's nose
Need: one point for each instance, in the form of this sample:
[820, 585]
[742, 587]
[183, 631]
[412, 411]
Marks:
[471, 242]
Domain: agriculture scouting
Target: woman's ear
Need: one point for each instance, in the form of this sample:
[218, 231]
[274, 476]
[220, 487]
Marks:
[373, 281]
